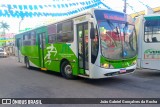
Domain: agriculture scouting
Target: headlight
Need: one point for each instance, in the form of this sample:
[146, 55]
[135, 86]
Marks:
[106, 65]
[134, 62]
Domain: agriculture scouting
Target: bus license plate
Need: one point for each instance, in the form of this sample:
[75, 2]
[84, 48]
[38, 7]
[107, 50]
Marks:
[122, 70]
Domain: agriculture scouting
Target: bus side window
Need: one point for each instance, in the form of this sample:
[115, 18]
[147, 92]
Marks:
[148, 40]
[154, 39]
[52, 38]
[65, 32]
[52, 33]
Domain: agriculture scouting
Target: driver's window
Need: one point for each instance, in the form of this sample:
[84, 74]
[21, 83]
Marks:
[94, 46]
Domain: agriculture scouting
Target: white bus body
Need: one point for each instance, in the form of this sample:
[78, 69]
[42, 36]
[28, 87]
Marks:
[148, 32]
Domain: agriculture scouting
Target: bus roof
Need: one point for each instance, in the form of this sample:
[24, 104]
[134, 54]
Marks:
[152, 17]
[90, 11]
[30, 30]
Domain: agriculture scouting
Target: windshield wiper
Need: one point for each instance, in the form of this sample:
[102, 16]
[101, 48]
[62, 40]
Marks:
[114, 27]
[124, 30]
[111, 26]
[118, 33]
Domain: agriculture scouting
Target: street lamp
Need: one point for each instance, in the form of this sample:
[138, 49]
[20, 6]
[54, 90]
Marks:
[20, 24]
[9, 9]
[124, 10]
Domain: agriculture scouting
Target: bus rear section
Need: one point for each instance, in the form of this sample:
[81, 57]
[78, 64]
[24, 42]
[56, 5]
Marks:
[149, 41]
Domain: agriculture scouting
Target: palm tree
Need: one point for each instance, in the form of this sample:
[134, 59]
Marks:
[4, 26]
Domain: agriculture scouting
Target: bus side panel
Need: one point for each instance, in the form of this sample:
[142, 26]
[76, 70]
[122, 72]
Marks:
[151, 56]
[55, 53]
[30, 49]
[32, 53]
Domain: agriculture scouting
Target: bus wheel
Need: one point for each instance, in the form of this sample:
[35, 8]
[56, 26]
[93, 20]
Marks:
[66, 70]
[27, 63]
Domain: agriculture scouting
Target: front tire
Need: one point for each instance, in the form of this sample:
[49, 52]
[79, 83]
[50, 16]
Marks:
[66, 70]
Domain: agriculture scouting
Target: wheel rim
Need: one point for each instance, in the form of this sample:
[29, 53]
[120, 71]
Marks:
[68, 69]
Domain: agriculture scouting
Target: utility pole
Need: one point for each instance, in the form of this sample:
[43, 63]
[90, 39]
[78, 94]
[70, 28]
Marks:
[124, 10]
[20, 24]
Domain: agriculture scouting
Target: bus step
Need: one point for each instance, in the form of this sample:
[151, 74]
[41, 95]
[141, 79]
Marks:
[44, 69]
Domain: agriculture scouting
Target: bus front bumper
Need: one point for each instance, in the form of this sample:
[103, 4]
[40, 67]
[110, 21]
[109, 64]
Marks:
[99, 72]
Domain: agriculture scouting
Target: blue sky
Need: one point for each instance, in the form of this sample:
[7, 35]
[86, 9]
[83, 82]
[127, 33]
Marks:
[132, 7]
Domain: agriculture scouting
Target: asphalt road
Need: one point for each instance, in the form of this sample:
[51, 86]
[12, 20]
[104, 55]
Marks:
[18, 82]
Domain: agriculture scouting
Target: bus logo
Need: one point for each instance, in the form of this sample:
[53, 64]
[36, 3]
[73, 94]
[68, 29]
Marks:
[6, 101]
[51, 49]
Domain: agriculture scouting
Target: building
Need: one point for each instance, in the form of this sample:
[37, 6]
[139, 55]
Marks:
[155, 10]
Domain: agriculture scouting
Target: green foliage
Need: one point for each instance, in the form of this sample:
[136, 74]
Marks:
[4, 26]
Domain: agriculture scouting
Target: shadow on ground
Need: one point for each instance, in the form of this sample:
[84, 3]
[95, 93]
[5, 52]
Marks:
[147, 73]
[98, 82]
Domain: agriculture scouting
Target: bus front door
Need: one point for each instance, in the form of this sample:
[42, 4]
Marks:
[41, 43]
[82, 32]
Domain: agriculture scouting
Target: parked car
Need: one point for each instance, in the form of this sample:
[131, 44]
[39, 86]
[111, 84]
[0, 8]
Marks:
[3, 53]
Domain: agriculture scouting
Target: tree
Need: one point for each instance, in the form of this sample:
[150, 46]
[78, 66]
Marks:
[4, 26]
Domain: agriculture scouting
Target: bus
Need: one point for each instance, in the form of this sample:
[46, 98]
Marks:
[94, 44]
[148, 32]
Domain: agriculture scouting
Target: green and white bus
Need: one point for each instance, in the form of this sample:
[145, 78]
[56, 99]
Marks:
[94, 44]
[148, 31]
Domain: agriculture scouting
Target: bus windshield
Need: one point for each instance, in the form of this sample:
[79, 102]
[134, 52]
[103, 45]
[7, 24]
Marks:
[118, 39]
